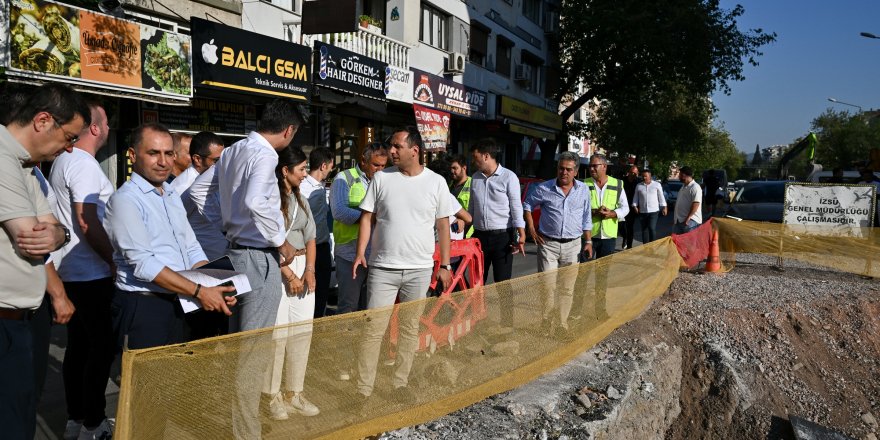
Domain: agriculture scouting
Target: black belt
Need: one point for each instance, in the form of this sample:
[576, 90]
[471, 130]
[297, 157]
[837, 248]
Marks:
[253, 248]
[560, 240]
[493, 231]
[16, 314]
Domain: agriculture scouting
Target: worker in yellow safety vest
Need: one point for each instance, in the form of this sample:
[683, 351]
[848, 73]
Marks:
[461, 185]
[348, 189]
[608, 205]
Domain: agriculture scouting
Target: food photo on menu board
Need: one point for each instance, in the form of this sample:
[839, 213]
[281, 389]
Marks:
[56, 39]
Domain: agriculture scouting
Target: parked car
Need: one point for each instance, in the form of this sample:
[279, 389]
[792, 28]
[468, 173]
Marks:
[670, 190]
[759, 201]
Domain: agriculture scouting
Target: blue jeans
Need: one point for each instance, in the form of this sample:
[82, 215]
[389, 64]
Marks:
[682, 228]
[648, 222]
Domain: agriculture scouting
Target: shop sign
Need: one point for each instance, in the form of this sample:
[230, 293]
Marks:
[228, 58]
[516, 109]
[203, 115]
[433, 126]
[350, 72]
[398, 84]
[50, 40]
[449, 96]
[538, 134]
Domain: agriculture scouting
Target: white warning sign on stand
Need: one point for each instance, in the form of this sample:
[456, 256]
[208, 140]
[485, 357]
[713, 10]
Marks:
[830, 209]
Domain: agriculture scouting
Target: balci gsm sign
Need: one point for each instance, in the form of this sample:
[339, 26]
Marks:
[230, 58]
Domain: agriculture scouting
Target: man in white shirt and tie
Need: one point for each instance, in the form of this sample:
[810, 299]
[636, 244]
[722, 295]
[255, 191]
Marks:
[648, 203]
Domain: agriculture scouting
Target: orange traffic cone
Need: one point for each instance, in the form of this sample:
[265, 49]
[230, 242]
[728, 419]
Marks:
[713, 263]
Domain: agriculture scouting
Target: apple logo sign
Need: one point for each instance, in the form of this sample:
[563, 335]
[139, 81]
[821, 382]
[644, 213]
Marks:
[209, 52]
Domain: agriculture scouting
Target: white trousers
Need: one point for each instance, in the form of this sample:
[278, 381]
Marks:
[291, 342]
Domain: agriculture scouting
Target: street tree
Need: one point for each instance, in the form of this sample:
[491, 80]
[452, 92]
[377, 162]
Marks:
[636, 58]
[845, 139]
[718, 152]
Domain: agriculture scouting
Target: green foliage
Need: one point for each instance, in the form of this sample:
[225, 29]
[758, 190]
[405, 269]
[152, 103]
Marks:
[845, 139]
[718, 152]
[650, 67]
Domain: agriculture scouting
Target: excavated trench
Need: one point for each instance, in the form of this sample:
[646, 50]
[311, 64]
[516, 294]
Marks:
[728, 356]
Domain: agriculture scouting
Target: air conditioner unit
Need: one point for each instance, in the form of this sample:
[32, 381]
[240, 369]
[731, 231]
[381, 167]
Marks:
[455, 62]
[523, 73]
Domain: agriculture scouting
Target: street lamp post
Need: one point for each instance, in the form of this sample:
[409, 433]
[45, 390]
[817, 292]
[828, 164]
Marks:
[869, 35]
[845, 103]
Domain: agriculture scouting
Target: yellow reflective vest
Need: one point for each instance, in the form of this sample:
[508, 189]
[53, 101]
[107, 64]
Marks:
[343, 233]
[464, 199]
[610, 197]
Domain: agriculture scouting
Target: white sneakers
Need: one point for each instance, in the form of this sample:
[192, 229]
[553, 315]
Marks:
[104, 431]
[300, 405]
[280, 408]
[276, 408]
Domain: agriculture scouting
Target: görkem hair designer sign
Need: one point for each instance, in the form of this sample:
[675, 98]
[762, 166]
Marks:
[347, 71]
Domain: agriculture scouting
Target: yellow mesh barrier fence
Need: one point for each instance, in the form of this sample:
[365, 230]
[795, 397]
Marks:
[207, 389]
[856, 253]
[458, 352]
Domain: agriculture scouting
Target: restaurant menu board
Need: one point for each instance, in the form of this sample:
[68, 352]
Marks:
[81, 46]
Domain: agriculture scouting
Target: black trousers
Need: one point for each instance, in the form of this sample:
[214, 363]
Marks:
[18, 401]
[148, 320]
[629, 229]
[323, 267]
[90, 350]
[41, 327]
[498, 256]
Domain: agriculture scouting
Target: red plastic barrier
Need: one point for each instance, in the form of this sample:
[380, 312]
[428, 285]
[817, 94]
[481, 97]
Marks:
[458, 315]
[694, 246]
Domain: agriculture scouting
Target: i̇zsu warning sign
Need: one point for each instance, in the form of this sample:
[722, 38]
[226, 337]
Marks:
[831, 209]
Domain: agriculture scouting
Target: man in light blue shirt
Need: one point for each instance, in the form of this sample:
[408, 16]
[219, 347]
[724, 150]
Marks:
[565, 218]
[496, 208]
[152, 241]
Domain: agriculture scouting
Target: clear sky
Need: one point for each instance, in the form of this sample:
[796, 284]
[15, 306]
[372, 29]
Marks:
[818, 54]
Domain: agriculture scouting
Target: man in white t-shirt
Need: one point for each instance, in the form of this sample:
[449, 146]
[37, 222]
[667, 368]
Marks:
[86, 267]
[406, 202]
[688, 213]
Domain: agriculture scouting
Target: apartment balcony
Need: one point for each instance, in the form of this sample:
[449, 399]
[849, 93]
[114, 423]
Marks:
[368, 43]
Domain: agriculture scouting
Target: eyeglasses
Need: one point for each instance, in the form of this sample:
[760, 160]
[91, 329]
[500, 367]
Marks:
[69, 138]
[596, 165]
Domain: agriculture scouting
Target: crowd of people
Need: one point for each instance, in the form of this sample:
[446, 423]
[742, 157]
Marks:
[107, 263]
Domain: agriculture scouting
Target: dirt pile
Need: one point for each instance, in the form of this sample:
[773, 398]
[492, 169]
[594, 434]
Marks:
[718, 356]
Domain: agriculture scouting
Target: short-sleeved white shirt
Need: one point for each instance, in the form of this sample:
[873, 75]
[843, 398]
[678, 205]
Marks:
[687, 195]
[406, 209]
[77, 177]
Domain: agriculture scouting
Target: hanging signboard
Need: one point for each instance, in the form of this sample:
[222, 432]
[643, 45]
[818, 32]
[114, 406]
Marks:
[524, 112]
[398, 84]
[350, 72]
[830, 209]
[54, 41]
[448, 96]
[228, 58]
[433, 126]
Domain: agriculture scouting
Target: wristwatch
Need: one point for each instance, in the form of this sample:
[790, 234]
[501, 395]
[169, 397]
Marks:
[66, 236]
[446, 266]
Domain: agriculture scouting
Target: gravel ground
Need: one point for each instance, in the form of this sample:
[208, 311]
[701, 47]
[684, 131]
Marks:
[718, 356]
